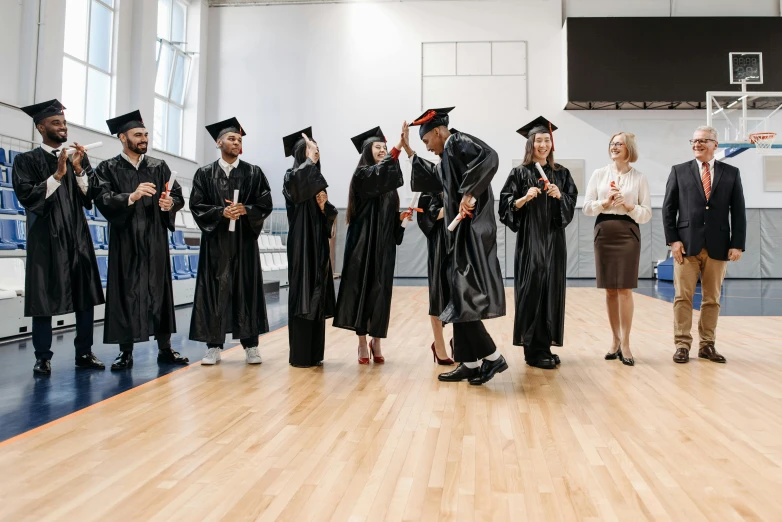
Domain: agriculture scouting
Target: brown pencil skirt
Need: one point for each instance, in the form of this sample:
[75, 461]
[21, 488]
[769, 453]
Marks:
[617, 251]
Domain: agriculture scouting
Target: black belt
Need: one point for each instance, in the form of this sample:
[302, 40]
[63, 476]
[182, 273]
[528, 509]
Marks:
[614, 217]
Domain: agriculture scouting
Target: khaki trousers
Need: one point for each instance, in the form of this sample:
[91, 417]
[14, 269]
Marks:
[685, 278]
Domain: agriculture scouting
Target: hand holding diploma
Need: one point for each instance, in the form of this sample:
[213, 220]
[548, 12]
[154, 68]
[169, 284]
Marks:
[234, 211]
[551, 189]
[82, 148]
[407, 215]
[466, 207]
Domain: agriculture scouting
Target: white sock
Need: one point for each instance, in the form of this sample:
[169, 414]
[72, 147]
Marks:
[472, 365]
[493, 357]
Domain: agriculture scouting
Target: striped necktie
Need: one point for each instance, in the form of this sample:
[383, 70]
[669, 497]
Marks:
[706, 180]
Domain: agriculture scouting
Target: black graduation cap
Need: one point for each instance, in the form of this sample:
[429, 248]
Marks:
[216, 130]
[539, 125]
[431, 119]
[365, 138]
[40, 111]
[289, 142]
[124, 123]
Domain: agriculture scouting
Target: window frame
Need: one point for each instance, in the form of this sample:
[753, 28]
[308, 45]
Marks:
[167, 100]
[86, 63]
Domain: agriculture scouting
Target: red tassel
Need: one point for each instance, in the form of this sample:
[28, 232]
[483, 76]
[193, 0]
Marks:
[429, 116]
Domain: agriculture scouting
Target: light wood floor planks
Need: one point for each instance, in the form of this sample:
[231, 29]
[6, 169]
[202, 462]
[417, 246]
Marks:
[594, 440]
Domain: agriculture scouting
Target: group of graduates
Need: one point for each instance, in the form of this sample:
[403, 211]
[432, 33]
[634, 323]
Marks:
[230, 199]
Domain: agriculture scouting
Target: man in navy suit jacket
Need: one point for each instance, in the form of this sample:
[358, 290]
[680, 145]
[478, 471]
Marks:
[706, 225]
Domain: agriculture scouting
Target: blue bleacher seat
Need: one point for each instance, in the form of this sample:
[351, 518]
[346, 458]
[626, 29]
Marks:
[178, 240]
[2, 156]
[181, 268]
[98, 215]
[99, 241]
[13, 232]
[12, 154]
[103, 269]
[193, 264]
[5, 177]
[6, 202]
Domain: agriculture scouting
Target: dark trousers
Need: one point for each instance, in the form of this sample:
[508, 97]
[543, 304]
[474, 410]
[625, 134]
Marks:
[248, 342]
[307, 340]
[163, 343]
[42, 335]
[541, 343]
[471, 342]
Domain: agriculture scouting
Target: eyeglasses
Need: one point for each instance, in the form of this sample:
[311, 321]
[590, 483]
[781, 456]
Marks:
[701, 142]
[616, 144]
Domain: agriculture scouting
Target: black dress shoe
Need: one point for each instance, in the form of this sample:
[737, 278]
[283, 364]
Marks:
[488, 370]
[610, 356]
[461, 373]
[124, 361]
[545, 363]
[169, 356]
[89, 362]
[628, 361]
[42, 367]
[556, 358]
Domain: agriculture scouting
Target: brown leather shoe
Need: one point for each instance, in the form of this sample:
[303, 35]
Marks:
[681, 356]
[708, 352]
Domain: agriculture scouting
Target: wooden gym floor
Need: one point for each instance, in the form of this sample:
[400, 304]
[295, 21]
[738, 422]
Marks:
[594, 440]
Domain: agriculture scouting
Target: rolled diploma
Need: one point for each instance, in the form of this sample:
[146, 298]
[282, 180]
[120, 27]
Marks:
[95, 145]
[413, 204]
[232, 225]
[458, 218]
[542, 174]
[170, 183]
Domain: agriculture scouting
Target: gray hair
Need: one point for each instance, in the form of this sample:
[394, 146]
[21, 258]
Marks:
[710, 130]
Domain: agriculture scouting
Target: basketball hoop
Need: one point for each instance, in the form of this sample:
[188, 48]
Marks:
[763, 140]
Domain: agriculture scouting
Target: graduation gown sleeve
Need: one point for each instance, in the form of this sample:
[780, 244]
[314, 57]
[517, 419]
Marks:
[261, 203]
[481, 164]
[374, 180]
[513, 189]
[207, 214]
[425, 177]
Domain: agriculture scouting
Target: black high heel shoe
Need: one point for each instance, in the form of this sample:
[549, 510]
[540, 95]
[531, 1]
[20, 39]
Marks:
[627, 361]
[610, 356]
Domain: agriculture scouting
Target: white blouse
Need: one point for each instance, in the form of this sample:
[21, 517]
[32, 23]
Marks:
[633, 186]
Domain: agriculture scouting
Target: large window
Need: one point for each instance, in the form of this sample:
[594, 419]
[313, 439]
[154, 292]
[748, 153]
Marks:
[173, 69]
[87, 63]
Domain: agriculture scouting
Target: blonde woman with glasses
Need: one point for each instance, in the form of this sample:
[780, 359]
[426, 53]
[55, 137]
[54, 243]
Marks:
[619, 196]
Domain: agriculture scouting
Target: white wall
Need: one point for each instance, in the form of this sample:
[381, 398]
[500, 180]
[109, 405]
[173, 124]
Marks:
[23, 53]
[344, 68]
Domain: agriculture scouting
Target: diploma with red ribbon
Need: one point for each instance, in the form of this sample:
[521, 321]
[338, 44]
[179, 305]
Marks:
[459, 217]
[412, 208]
[543, 176]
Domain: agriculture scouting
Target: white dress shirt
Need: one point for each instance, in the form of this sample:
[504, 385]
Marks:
[711, 169]
[634, 187]
[134, 165]
[52, 184]
[228, 167]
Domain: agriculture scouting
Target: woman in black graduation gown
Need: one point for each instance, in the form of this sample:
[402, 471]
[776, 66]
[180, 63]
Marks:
[364, 302]
[432, 224]
[538, 211]
[310, 223]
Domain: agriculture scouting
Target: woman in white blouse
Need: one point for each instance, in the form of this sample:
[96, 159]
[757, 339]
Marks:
[619, 196]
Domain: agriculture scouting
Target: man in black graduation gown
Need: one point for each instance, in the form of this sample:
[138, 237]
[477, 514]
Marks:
[140, 211]
[311, 217]
[539, 211]
[229, 290]
[476, 287]
[61, 273]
